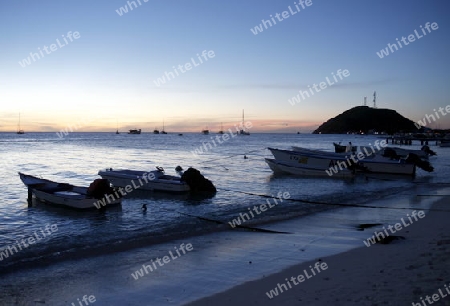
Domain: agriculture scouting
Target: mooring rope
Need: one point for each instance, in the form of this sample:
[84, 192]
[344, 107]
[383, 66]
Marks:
[334, 204]
[254, 229]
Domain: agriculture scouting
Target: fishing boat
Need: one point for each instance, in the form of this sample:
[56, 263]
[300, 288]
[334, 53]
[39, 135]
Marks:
[424, 153]
[156, 180]
[279, 167]
[19, 130]
[67, 195]
[379, 164]
[318, 161]
[337, 162]
[317, 151]
[134, 131]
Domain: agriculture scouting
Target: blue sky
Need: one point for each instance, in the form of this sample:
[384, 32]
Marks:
[108, 74]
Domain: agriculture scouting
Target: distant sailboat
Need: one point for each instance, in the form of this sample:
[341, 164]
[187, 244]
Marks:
[221, 129]
[19, 130]
[117, 131]
[243, 131]
[205, 131]
[163, 132]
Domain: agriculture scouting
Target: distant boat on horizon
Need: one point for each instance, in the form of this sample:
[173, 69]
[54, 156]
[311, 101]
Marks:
[19, 130]
[163, 132]
[134, 131]
[155, 131]
[243, 131]
[221, 129]
[205, 131]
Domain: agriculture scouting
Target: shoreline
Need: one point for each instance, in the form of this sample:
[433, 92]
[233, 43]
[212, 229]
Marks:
[219, 261]
[399, 273]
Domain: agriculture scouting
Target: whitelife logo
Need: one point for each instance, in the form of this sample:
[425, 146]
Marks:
[161, 261]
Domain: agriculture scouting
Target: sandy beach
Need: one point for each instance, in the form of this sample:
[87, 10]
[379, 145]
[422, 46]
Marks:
[398, 273]
[245, 265]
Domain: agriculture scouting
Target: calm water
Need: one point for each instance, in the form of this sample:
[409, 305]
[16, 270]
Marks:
[78, 157]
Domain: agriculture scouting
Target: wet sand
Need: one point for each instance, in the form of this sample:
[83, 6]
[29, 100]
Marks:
[399, 273]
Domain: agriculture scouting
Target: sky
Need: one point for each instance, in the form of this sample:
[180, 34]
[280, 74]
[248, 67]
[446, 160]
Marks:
[108, 74]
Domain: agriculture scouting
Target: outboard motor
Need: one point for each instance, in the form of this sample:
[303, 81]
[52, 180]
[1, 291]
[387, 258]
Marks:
[427, 150]
[98, 188]
[422, 164]
[196, 181]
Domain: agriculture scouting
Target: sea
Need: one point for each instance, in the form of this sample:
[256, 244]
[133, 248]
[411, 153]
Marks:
[235, 166]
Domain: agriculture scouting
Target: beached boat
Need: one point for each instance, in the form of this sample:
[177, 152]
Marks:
[67, 195]
[155, 180]
[134, 131]
[279, 167]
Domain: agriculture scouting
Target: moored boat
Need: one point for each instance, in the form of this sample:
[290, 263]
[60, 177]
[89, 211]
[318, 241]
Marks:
[279, 167]
[67, 195]
[333, 163]
[134, 131]
[157, 180]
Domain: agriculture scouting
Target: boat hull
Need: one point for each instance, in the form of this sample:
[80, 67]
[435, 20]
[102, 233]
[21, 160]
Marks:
[385, 167]
[278, 167]
[61, 194]
[135, 179]
[307, 160]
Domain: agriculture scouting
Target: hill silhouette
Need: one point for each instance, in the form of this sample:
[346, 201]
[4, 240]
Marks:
[364, 119]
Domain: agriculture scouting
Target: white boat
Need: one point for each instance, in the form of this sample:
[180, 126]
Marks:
[318, 161]
[315, 164]
[317, 151]
[379, 164]
[400, 152]
[337, 162]
[279, 167]
[67, 195]
[157, 180]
